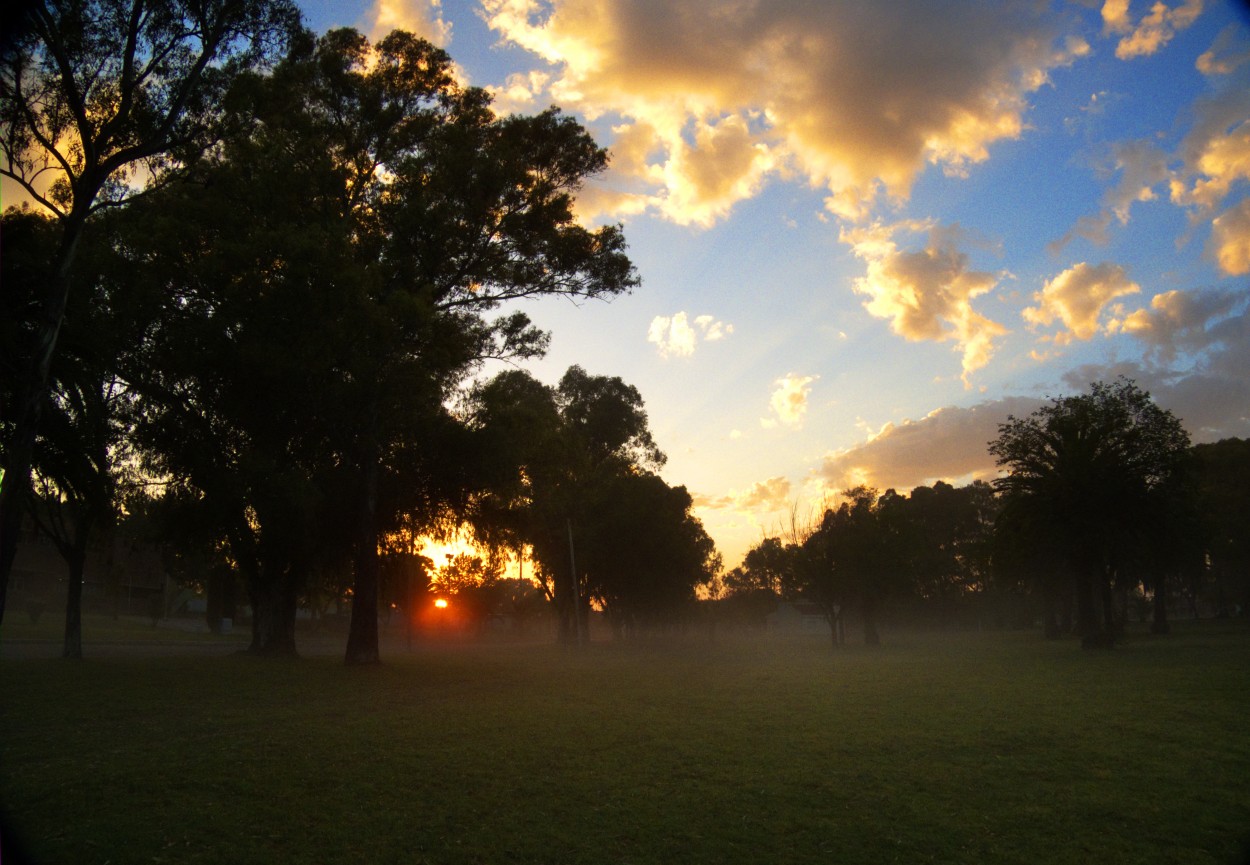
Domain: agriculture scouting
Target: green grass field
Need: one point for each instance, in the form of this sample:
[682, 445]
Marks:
[963, 748]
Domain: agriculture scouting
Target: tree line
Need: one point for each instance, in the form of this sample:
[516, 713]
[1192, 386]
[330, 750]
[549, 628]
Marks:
[250, 311]
[1103, 501]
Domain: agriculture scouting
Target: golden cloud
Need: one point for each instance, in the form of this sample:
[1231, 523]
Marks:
[733, 93]
[1153, 31]
[926, 294]
[421, 17]
[948, 444]
[1077, 298]
[789, 400]
[1230, 239]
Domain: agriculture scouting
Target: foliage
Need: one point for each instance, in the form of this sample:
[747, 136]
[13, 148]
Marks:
[95, 97]
[572, 478]
[301, 370]
[1083, 469]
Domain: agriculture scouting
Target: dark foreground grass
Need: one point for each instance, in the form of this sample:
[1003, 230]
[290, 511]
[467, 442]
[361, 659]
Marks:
[957, 749]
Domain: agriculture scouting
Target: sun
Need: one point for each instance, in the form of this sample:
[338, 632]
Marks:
[441, 603]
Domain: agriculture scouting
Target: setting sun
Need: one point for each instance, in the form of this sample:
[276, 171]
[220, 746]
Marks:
[441, 603]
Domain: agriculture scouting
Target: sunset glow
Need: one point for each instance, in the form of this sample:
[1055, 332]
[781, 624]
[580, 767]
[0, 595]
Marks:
[869, 232]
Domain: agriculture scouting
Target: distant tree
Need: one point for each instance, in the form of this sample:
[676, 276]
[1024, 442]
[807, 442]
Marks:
[574, 479]
[98, 98]
[1222, 472]
[1084, 467]
[856, 557]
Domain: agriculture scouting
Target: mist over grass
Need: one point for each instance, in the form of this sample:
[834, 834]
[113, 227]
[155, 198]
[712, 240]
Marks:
[932, 748]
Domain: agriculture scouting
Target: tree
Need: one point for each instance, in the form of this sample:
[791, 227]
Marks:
[382, 212]
[1084, 467]
[855, 557]
[573, 478]
[1222, 472]
[96, 97]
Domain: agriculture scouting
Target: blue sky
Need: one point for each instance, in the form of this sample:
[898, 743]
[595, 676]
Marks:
[867, 233]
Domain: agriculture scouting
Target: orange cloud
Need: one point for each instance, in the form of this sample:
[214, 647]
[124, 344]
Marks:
[1230, 239]
[734, 93]
[1152, 31]
[949, 444]
[422, 17]
[789, 400]
[1077, 298]
[926, 294]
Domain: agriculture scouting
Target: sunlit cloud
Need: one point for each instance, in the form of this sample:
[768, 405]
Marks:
[1230, 239]
[1152, 31]
[767, 496]
[1184, 321]
[789, 401]
[519, 93]
[1077, 299]
[421, 17]
[731, 94]
[675, 336]
[1226, 55]
[926, 294]
[949, 444]
[1215, 155]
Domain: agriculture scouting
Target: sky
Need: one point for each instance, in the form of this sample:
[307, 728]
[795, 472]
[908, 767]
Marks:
[867, 233]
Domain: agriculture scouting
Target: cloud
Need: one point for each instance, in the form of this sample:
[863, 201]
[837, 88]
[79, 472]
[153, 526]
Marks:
[674, 335]
[789, 400]
[768, 496]
[1077, 298]
[731, 93]
[422, 17]
[1152, 31]
[1142, 167]
[1183, 320]
[1213, 402]
[519, 92]
[1230, 239]
[926, 294]
[1226, 55]
[1215, 154]
[948, 444]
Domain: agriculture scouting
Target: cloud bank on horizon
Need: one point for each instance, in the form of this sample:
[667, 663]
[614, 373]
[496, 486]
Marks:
[708, 104]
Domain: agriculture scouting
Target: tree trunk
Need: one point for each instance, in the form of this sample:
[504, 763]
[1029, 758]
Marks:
[1088, 622]
[73, 606]
[273, 613]
[33, 394]
[1160, 624]
[362, 638]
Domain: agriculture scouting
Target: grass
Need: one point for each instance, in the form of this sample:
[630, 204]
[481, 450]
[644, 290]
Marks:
[934, 748]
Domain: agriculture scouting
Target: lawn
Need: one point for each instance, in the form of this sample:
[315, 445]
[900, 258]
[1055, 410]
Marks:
[964, 748]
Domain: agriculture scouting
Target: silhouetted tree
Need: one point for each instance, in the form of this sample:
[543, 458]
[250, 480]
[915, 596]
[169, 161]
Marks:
[1085, 466]
[383, 212]
[1223, 480]
[96, 99]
